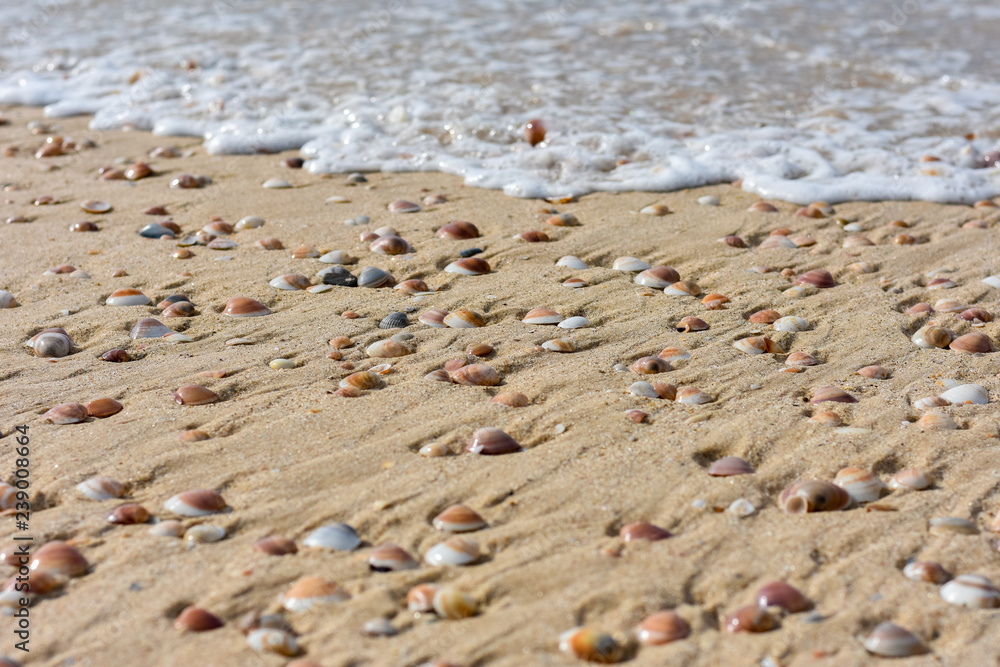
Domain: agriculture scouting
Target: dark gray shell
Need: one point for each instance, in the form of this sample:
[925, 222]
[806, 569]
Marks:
[469, 252]
[372, 277]
[395, 320]
[338, 275]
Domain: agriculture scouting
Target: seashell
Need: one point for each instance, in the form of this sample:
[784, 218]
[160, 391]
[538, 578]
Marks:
[946, 525]
[650, 366]
[66, 413]
[692, 396]
[714, 301]
[194, 394]
[269, 640]
[221, 244]
[861, 485]
[192, 435]
[127, 297]
[196, 502]
[790, 324]
[179, 309]
[919, 308]
[377, 627]
[819, 278]
[976, 314]
[309, 592]
[291, 281]
[827, 419]
[534, 131]
[281, 364]
[688, 324]
[333, 536]
[729, 466]
[338, 276]
[276, 184]
[59, 558]
[218, 228]
[949, 306]
[857, 241]
[103, 407]
[560, 345]
[388, 557]
[337, 257]
[992, 281]
[591, 646]
[758, 345]
[387, 349]
[492, 441]
[904, 239]
[575, 283]
[196, 619]
[813, 496]
[801, 359]
[629, 264]
[542, 316]
[572, 262]
[305, 252]
[269, 243]
[830, 393]
[95, 206]
[149, 327]
[925, 570]
[453, 604]
[469, 266]
[672, 354]
[249, 222]
[362, 380]
[563, 220]
[52, 344]
[972, 343]
[662, 627]
[682, 288]
[762, 207]
[802, 240]
[459, 519]
[420, 598]
[776, 241]
[458, 230]
[643, 531]
[966, 394]
[643, 390]
[750, 618]
[413, 286]
[657, 277]
[463, 319]
[372, 277]
[275, 545]
[733, 241]
[7, 300]
[780, 594]
[168, 528]
[533, 236]
[971, 590]
[941, 283]
[476, 375]
[101, 488]
[862, 267]
[129, 514]
[439, 375]
[512, 399]
[390, 245]
[655, 209]
[453, 551]
[930, 337]
[403, 206]
[479, 349]
[891, 641]
[796, 292]
[156, 231]
[975, 224]
[241, 306]
[873, 372]
[933, 421]
[910, 478]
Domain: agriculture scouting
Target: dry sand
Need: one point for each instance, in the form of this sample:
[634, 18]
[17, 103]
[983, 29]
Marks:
[289, 456]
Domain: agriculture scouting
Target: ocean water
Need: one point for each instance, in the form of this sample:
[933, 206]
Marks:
[824, 100]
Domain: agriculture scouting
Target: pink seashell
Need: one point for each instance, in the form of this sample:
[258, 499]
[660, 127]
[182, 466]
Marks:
[728, 466]
[491, 441]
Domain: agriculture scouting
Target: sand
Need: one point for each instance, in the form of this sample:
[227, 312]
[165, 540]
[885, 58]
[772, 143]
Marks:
[288, 455]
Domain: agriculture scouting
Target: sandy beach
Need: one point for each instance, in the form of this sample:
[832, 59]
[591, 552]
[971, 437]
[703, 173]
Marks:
[289, 455]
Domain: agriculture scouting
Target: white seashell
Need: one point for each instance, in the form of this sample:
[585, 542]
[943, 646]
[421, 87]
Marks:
[249, 222]
[672, 354]
[7, 300]
[149, 327]
[175, 337]
[334, 536]
[337, 257]
[276, 183]
[453, 551]
[387, 348]
[577, 322]
[854, 227]
[127, 298]
[992, 281]
[682, 289]
[542, 316]
[930, 337]
[281, 364]
[708, 200]
[967, 393]
[629, 264]
[861, 485]
[790, 323]
[642, 389]
[560, 345]
[971, 590]
[693, 396]
[337, 199]
[911, 478]
[741, 507]
[777, 241]
[101, 488]
[572, 262]
[291, 281]
[204, 534]
[270, 640]
[319, 289]
[796, 292]
[930, 402]
[891, 641]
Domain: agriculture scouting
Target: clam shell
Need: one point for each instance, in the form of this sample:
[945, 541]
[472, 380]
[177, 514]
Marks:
[66, 413]
[591, 646]
[276, 545]
[829, 393]
[688, 324]
[827, 419]
[194, 394]
[643, 390]
[733, 241]
[453, 551]
[655, 209]
[155, 230]
[971, 590]
[910, 478]
[672, 354]
[337, 257]
[52, 344]
[534, 132]
[790, 323]
[992, 281]
[362, 380]
[103, 407]
[458, 230]
[976, 314]
[972, 343]
[758, 345]
[490, 441]
[469, 266]
[453, 604]
[168, 528]
[801, 359]
[629, 264]
[949, 306]
[714, 301]
[930, 337]
[967, 394]
[861, 485]
[403, 206]
[728, 466]
[196, 502]
[413, 286]
[373, 277]
[389, 557]
[127, 297]
[577, 322]
[241, 306]
[891, 641]
[533, 236]
[575, 283]
[574, 262]
[813, 496]
[291, 281]
[649, 366]
[873, 372]
[269, 243]
[269, 640]
[459, 519]
[820, 278]
[750, 618]
[196, 619]
[439, 375]
[479, 375]
[762, 207]
[776, 241]
[309, 592]
[780, 594]
[463, 319]
[129, 514]
[693, 396]
[933, 421]
[101, 488]
[7, 300]
[394, 320]
[390, 245]
[333, 536]
[95, 206]
[563, 220]
[249, 222]
[946, 525]
[512, 399]
[420, 598]
[662, 627]
[560, 345]
[149, 327]
[643, 531]
[682, 288]
[434, 318]
[923, 570]
[657, 277]
[542, 316]
[57, 557]
[221, 244]
[386, 349]
[179, 309]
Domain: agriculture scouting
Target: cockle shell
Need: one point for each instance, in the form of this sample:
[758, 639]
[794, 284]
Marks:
[933, 421]
[542, 316]
[66, 413]
[891, 641]
[458, 230]
[469, 266]
[820, 278]
[241, 306]
[662, 627]
[574, 262]
[813, 496]
[790, 323]
[591, 646]
[291, 281]
[194, 394]
[453, 551]
[650, 366]
[463, 319]
[387, 349]
[308, 592]
[492, 441]
[750, 618]
[966, 394]
[688, 324]
[682, 288]
[910, 478]
[728, 466]
[333, 536]
[758, 345]
[101, 488]
[196, 502]
[830, 393]
[930, 337]
[643, 531]
[362, 380]
[861, 485]
[923, 570]
[51, 344]
[451, 603]
[127, 297]
[149, 327]
[693, 396]
[560, 345]
[657, 277]
[780, 594]
[196, 619]
[512, 399]
[57, 557]
[459, 519]
[972, 343]
[479, 375]
[971, 590]
[269, 640]
[629, 264]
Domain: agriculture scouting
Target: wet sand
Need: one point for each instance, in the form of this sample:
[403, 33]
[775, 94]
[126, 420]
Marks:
[289, 456]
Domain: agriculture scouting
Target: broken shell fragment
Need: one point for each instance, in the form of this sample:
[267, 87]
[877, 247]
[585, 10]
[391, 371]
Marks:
[813, 496]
